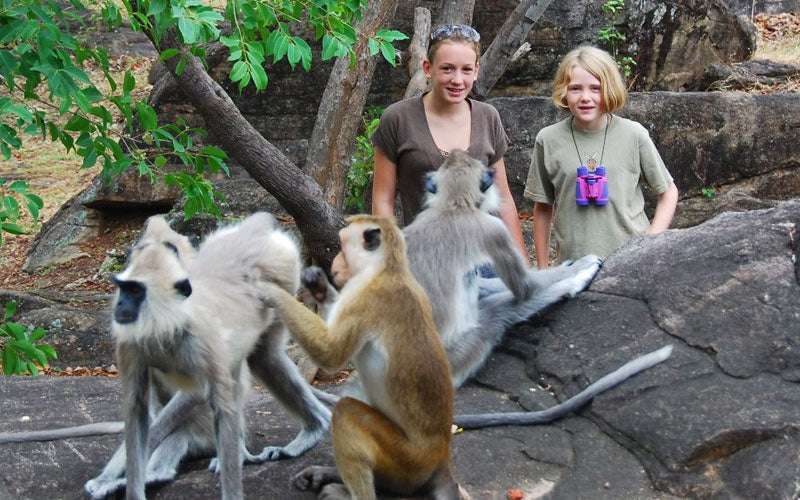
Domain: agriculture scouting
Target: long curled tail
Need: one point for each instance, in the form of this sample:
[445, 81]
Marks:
[626, 371]
[96, 429]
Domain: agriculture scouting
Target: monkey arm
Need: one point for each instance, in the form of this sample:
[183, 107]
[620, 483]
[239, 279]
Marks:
[136, 387]
[331, 349]
[507, 261]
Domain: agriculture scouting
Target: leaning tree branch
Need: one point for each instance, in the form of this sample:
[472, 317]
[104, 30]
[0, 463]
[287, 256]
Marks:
[339, 115]
[455, 12]
[317, 221]
[507, 43]
[417, 51]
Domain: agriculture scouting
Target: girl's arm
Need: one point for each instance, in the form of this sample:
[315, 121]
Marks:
[384, 184]
[542, 218]
[508, 209]
[665, 209]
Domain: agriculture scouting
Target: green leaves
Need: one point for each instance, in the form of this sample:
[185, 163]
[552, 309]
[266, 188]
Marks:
[43, 66]
[611, 36]
[363, 160]
[20, 349]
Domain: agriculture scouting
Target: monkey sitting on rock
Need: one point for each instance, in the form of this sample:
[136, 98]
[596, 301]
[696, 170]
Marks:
[447, 243]
[397, 437]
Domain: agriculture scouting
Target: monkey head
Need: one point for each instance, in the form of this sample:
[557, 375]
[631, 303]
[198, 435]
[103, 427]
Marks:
[368, 242]
[157, 229]
[155, 277]
[462, 182]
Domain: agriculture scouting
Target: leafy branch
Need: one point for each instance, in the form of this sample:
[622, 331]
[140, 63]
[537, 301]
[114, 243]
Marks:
[41, 61]
[613, 37]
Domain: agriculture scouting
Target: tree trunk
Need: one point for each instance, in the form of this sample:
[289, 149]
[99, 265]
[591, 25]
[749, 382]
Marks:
[455, 12]
[317, 221]
[339, 114]
[418, 50]
[507, 44]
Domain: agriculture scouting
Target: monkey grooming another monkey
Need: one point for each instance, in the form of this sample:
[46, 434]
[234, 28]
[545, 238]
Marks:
[447, 243]
[184, 326]
[398, 437]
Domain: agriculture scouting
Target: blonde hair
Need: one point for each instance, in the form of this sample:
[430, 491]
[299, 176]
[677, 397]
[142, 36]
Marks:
[601, 65]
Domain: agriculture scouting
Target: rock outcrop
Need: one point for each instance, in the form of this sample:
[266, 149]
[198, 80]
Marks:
[719, 419]
[743, 146]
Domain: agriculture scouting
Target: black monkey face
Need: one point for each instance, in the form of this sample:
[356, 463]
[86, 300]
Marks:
[129, 300]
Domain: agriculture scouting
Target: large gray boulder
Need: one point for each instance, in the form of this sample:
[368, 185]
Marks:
[719, 419]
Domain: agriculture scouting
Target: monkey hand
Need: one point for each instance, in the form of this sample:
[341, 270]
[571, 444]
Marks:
[315, 477]
[269, 293]
[315, 280]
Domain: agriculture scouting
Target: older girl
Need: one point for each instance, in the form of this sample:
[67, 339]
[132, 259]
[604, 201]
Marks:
[416, 135]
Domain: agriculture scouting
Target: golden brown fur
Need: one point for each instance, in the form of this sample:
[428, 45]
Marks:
[399, 439]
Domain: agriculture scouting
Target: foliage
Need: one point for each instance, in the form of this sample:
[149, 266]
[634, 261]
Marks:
[43, 66]
[10, 209]
[362, 162]
[613, 37]
[20, 348]
[708, 192]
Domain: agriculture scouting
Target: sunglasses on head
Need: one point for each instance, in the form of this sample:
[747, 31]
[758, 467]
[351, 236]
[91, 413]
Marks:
[448, 30]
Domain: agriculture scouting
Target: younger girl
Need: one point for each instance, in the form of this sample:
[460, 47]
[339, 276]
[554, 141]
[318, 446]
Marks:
[415, 135]
[593, 209]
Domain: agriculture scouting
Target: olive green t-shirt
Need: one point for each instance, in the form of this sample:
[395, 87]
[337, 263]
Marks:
[404, 137]
[630, 158]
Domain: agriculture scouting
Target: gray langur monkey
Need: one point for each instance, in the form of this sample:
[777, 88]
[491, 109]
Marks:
[184, 326]
[447, 243]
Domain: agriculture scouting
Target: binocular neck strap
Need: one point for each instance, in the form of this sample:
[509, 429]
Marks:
[605, 135]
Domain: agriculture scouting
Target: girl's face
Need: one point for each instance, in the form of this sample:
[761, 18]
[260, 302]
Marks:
[585, 99]
[453, 71]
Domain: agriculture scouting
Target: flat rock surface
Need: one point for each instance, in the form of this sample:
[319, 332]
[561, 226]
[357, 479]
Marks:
[720, 419]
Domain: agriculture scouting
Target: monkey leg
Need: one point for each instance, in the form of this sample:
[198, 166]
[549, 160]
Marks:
[588, 265]
[101, 486]
[371, 450]
[172, 415]
[501, 309]
[280, 375]
[162, 466]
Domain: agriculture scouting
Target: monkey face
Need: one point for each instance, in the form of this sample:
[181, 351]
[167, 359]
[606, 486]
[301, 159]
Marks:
[360, 243]
[154, 273]
[462, 182]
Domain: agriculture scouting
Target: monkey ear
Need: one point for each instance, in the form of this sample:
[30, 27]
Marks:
[372, 238]
[184, 287]
[430, 183]
[487, 179]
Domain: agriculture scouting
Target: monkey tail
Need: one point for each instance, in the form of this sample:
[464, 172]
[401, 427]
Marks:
[626, 371]
[96, 429]
[326, 397]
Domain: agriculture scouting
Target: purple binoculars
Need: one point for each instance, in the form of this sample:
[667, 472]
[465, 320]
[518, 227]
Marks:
[591, 187]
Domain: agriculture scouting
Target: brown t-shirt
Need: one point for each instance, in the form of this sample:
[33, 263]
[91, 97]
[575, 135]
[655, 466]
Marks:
[404, 137]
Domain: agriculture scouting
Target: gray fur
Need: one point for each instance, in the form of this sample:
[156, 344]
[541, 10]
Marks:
[454, 236]
[626, 371]
[94, 429]
[193, 350]
[447, 242]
